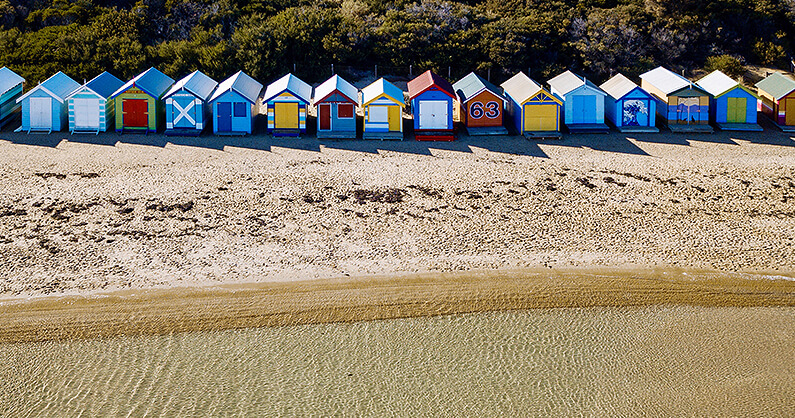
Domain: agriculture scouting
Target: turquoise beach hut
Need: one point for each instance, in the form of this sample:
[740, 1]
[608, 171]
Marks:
[628, 107]
[234, 105]
[335, 102]
[533, 111]
[287, 100]
[44, 107]
[733, 107]
[383, 104]
[187, 106]
[11, 85]
[583, 103]
[90, 108]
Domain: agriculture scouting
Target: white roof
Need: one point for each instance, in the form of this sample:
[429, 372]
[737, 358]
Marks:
[665, 80]
[717, 83]
[618, 86]
[289, 83]
[240, 83]
[9, 80]
[197, 83]
[521, 87]
[568, 82]
[380, 87]
[336, 83]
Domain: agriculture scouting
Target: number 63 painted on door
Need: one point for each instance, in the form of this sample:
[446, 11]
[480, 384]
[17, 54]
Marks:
[476, 110]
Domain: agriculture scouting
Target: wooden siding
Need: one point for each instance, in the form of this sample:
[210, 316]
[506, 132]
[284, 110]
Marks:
[154, 118]
[432, 94]
[237, 124]
[105, 117]
[394, 116]
[483, 110]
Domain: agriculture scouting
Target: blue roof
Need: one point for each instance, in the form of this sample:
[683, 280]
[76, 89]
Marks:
[58, 86]
[240, 83]
[151, 81]
[290, 83]
[9, 80]
[380, 87]
[104, 84]
[197, 83]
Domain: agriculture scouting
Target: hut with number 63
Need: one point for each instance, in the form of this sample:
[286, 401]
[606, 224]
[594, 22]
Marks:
[480, 105]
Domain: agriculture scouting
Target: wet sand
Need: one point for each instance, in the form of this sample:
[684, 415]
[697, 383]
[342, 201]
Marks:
[165, 311]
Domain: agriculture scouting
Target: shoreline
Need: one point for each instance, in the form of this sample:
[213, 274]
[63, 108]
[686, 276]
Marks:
[268, 304]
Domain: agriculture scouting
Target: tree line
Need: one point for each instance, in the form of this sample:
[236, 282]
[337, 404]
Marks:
[266, 38]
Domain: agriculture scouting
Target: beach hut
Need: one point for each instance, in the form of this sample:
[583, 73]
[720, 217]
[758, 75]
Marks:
[432, 106]
[44, 106]
[90, 108]
[187, 104]
[480, 105]
[335, 102]
[138, 104]
[680, 103]
[286, 100]
[533, 111]
[777, 92]
[583, 103]
[382, 103]
[733, 107]
[234, 105]
[10, 89]
[629, 107]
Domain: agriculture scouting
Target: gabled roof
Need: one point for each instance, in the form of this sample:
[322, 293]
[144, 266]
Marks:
[151, 81]
[665, 80]
[472, 85]
[58, 86]
[567, 82]
[102, 85]
[290, 83]
[427, 80]
[197, 83]
[522, 88]
[777, 85]
[618, 86]
[336, 83]
[717, 84]
[382, 87]
[240, 83]
[9, 80]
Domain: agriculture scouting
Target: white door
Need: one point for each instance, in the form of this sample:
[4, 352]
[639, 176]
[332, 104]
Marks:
[86, 113]
[41, 112]
[433, 114]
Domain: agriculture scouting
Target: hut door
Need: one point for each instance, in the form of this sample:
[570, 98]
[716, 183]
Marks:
[224, 117]
[584, 108]
[286, 115]
[135, 113]
[324, 116]
[735, 110]
[40, 112]
[688, 110]
[635, 113]
[433, 114]
[789, 110]
[86, 113]
[183, 111]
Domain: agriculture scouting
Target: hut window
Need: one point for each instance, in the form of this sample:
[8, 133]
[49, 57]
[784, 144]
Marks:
[345, 110]
[240, 110]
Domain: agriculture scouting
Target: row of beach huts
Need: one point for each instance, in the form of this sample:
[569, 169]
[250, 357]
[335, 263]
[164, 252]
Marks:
[188, 106]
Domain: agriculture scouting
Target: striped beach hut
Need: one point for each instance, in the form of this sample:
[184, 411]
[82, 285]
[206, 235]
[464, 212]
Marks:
[186, 104]
[629, 107]
[583, 103]
[11, 85]
[335, 102]
[481, 105]
[432, 100]
[733, 107]
[91, 109]
[533, 111]
[138, 104]
[287, 100]
[383, 104]
[234, 105]
[44, 107]
[777, 92]
[680, 103]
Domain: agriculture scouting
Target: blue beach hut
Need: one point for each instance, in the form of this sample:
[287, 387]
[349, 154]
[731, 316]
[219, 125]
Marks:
[680, 103]
[91, 109]
[233, 105]
[186, 104]
[533, 111]
[383, 104]
[628, 107]
[335, 101]
[287, 100]
[583, 103]
[432, 100]
[733, 107]
[44, 107]
[11, 85]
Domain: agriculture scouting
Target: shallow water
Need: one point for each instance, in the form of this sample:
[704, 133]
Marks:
[596, 361]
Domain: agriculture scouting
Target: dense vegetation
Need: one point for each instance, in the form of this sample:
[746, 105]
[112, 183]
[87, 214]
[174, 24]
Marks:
[266, 38]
